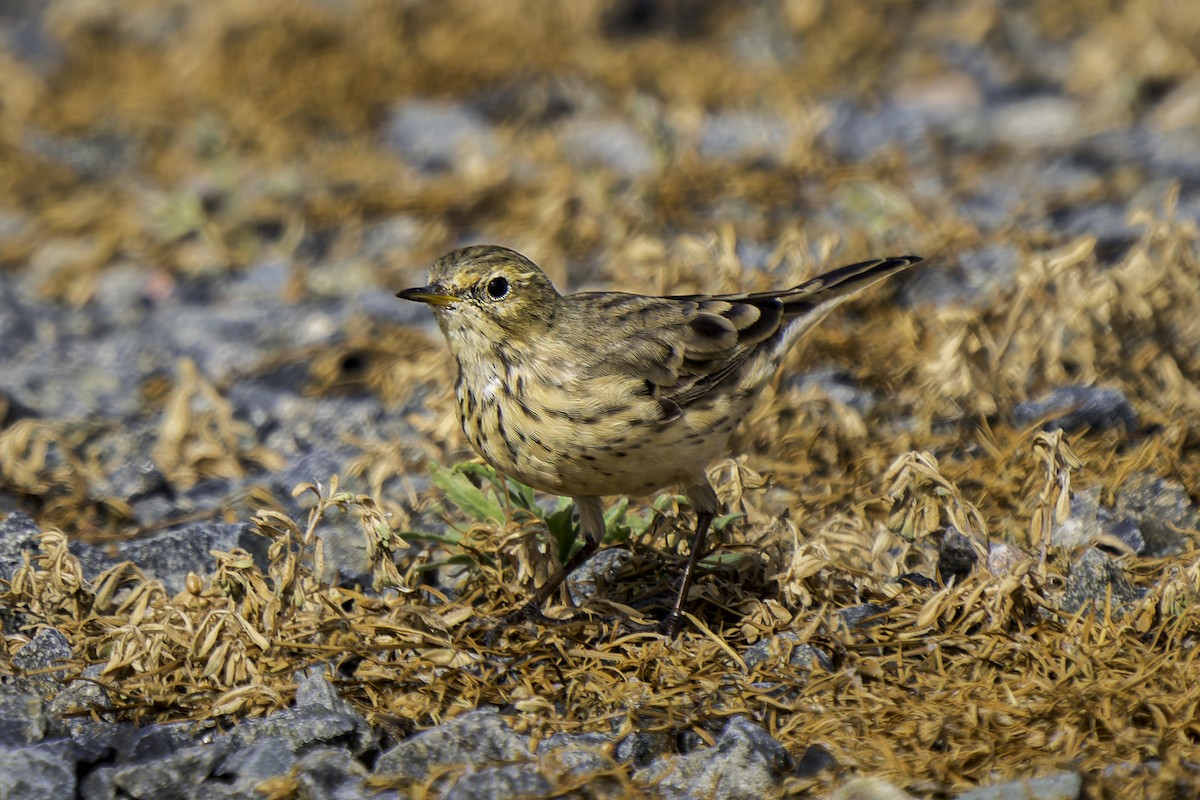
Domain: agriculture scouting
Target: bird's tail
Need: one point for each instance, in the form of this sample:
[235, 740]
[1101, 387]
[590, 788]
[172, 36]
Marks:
[807, 304]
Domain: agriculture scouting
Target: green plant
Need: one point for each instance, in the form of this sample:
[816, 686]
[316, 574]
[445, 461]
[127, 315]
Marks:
[485, 497]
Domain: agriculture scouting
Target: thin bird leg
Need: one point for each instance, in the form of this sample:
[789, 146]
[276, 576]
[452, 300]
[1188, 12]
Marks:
[704, 499]
[591, 513]
[672, 621]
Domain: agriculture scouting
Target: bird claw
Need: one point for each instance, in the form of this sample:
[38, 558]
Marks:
[667, 626]
[530, 612]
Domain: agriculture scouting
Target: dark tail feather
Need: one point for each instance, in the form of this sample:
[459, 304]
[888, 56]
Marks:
[845, 281]
[842, 283]
[809, 303]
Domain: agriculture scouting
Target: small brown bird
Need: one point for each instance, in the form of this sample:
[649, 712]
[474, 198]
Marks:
[607, 393]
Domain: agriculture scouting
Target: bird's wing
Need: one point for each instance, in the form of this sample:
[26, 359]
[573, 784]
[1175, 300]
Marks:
[686, 346]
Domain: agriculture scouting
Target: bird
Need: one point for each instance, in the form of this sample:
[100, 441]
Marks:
[604, 393]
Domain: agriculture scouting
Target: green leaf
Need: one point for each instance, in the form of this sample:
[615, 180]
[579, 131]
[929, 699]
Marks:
[616, 513]
[638, 523]
[469, 498]
[452, 539]
[667, 502]
[720, 559]
[721, 522]
[562, 529]
[451, 561]
[523, 496]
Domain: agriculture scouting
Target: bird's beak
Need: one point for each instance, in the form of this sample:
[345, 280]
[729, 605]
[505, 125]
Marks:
[433, 295]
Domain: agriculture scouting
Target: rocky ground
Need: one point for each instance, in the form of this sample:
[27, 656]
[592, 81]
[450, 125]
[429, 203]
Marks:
[243, 552]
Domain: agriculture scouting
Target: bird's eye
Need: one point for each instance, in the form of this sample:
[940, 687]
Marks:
[497, 288]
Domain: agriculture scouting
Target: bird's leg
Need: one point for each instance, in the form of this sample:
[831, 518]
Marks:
[591, 520]
[704, 499]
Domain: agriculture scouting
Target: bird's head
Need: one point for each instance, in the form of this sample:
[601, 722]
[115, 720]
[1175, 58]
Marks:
[487, 294]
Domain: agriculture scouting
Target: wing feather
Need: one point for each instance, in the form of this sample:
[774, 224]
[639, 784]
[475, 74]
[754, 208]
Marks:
[687, 346]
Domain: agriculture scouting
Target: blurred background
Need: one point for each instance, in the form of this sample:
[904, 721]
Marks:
[207, 207]
[205, 211]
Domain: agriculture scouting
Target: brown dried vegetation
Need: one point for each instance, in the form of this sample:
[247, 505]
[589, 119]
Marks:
[948, 688]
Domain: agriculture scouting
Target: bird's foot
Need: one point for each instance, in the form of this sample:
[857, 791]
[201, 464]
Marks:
[668, 626]
[530, 612]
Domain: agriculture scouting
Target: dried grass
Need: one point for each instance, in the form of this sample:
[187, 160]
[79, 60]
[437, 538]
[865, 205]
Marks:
[951, 687]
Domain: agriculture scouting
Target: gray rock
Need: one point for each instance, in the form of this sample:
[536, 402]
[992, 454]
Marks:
[956, 555]
[18, 535]
[133, 475]
[174, 775]
[126, 293]
[24, 35]
[436, 136]
[581, 755]
[501, 783]
[1071, 408]
[18, 322]
[331, 774]
[597, 571]
[84, 694]
[383, 305]
[98, 784]
[92, 560]
[863, 615]
[816, 759]
[1095, 581]
[754, 256]
[320, 717]
[1091, 524]
[265, 758]
[1060, 179]
[1048, 121]
[992, 206]
[393, 238]
[762, 38]
[839, 386]
[799, 655]
[152, 743]
[25, 718]
[475, 738]
[982, 273]
[1056, 786]
[574, 741]
[31, 773]
[871, 788]
[97, 741]
[1162, 510]
[581, 763]
[234, 338]
[170, 555]
[315, 691]
[641, 748]
[262, 282]
[45, 654]
[1108, 223]
[1174, 156]
[539, 99]
[744, 764]
[211, 790]
[858, 134]
[46, 649]
[745, 136]
[99, 155]
[314, 466]
[611, 144]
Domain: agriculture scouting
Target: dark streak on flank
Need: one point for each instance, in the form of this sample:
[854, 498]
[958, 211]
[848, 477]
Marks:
[527, 410]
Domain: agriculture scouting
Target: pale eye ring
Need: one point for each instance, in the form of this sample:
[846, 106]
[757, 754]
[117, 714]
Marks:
[498, 288]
